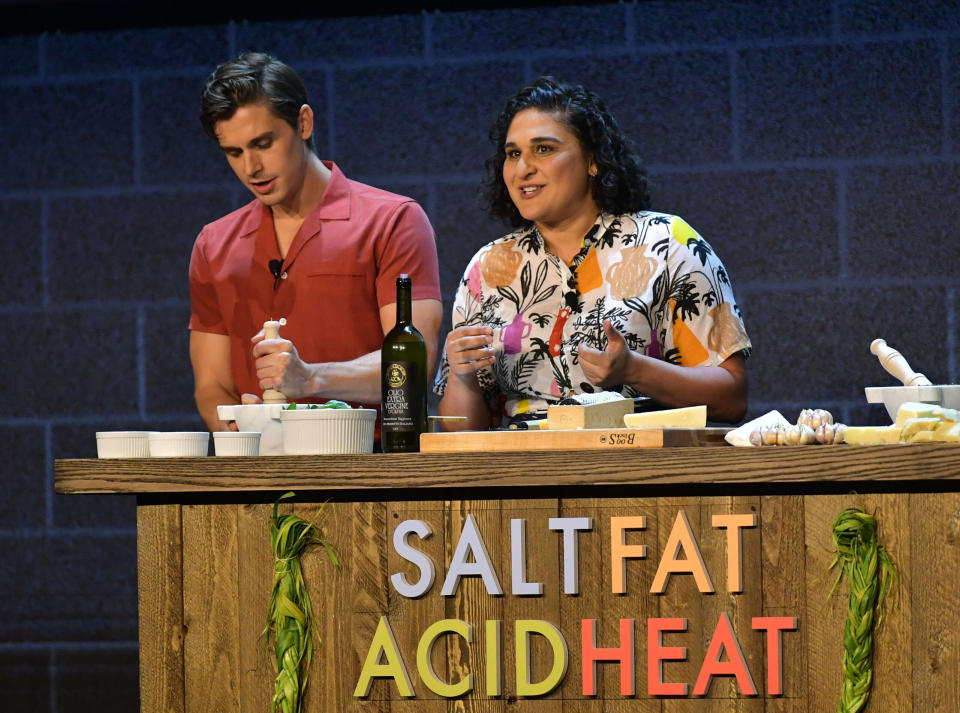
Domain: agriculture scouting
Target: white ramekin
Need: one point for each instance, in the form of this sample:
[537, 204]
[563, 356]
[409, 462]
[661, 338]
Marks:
[236, 443]
[178, 444]
[123, 444]
[326, 431]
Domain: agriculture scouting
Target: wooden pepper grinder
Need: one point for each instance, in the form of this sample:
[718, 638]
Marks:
[271, 330]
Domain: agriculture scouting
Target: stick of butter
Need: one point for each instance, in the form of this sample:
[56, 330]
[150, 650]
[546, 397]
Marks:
[689, 417]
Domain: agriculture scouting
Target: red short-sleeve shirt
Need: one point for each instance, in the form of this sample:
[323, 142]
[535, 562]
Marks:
[339, 271]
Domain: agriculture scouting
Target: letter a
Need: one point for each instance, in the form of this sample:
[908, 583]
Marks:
[383, 645]
[724, 639]
[681, 538]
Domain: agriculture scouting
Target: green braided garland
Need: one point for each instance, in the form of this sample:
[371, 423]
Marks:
[858, 554]
[290, 616]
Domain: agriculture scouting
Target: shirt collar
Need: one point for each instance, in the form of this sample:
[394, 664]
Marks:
[585, 243]
[334, 205]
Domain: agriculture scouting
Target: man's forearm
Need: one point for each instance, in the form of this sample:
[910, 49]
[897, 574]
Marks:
[357, 380]
[207, 401]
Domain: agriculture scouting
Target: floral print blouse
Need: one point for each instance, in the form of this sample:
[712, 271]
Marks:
[651, 274]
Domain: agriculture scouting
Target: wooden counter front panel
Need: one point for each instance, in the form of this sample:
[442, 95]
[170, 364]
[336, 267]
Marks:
[202, 611]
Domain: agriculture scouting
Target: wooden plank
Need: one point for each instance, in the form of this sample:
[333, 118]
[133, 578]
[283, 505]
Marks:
[916, 664]
[409, 618]
[211, 608]
[255, 581]
[565, 439]
[813, 465]
[160, 602]
[586, 604]
[740, 607]
[783, 577]
[931, 583]
[346, 600]
[473, 604]
[892, 671]
[826, 617]
[715, 705]
[551, 440]
[825, 614]
[542, 555]
[787, 704]
[682, 598]
[636, 603]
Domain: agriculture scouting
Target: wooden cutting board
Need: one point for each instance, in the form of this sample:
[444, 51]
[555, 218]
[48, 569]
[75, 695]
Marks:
[594, 438]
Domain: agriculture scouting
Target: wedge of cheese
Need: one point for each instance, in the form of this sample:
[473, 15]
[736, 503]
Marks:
[863, 435]
[947, 431]
[947, 427]
[915, 409]
[608, 414]
[949, 414]
[913, 426]
[689, 417]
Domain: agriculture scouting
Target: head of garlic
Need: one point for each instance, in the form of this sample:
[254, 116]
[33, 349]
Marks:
[814, 417]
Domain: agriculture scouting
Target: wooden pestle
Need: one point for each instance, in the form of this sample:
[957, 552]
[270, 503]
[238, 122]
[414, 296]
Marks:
[271, 330]
[896, 365]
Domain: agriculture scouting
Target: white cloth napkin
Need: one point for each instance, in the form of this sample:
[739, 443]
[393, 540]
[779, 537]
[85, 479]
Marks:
[741, 436]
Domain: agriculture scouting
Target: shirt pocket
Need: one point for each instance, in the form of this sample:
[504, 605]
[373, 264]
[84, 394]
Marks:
[336, 289]
[342, 300]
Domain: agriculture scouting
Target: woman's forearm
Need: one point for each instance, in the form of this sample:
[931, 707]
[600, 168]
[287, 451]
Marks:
[722, 388]
[461, 399]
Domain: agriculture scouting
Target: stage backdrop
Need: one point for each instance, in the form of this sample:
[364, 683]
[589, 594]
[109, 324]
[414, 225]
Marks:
[813, 143]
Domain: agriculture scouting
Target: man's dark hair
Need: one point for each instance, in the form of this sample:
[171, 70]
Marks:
[252, 78]
[620, 185]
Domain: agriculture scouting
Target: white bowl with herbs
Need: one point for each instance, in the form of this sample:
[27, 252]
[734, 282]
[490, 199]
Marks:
[325, 429]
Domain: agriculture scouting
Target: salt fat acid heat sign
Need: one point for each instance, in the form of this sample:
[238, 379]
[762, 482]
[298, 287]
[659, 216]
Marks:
[681, 555]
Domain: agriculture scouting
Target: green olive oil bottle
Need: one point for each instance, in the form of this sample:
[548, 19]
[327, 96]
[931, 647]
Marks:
[403, 379]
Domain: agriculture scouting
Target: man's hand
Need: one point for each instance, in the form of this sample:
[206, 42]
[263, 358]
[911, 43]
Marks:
[610, 366]
[280, 367]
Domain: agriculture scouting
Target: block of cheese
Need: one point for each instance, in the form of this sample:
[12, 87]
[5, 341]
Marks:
[913, 426]
[947, 427]
[914, 409]
[921, 437]
[947, 432]
[949, 414]
[688, 417]
[606, 414]
[862, 435]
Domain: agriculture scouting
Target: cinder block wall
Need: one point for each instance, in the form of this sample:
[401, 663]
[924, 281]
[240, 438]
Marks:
[813, 143]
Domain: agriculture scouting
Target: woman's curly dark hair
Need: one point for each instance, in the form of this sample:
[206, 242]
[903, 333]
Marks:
[620, 185]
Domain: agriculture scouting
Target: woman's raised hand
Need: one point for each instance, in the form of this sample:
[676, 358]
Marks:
[469, 349]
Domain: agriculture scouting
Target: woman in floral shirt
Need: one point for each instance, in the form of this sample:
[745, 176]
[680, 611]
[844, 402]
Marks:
[593, 291]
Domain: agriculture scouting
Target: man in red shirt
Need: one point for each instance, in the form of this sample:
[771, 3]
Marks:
[315, 248]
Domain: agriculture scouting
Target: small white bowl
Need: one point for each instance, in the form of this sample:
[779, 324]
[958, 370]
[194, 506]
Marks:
[123, 444]
[236, 443]
[328, 430]
[179, 444]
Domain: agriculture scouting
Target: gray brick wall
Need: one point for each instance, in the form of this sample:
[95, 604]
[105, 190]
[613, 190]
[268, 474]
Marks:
[813, 143]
